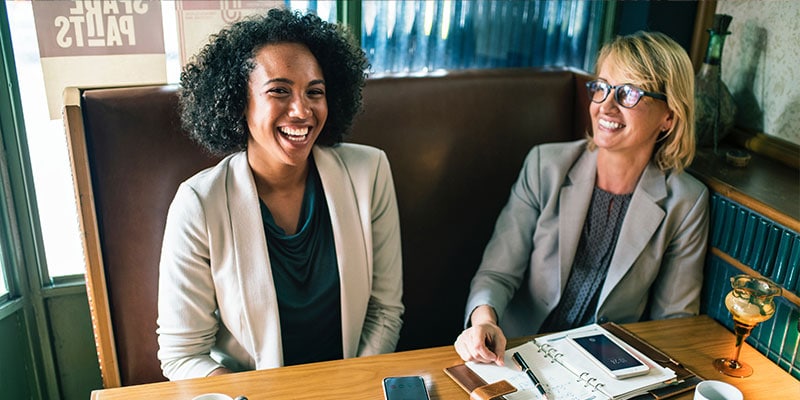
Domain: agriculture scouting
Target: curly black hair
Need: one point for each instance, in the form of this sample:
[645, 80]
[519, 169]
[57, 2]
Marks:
[213, 94]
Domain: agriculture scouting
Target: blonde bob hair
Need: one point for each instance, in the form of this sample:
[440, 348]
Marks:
[657, 63]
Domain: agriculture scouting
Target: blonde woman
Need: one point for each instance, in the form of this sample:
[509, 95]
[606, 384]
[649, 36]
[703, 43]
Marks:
[604, 229]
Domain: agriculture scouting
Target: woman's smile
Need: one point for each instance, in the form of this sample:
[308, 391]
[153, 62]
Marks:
[294, 134]
[610, 125]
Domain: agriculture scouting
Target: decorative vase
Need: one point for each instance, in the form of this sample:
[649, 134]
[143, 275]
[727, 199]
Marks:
[714, 105]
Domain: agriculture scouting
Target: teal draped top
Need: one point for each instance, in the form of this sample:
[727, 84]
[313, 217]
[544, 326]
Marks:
[306, 276]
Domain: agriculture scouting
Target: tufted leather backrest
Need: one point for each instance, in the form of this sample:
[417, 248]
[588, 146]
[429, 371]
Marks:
[455, 143]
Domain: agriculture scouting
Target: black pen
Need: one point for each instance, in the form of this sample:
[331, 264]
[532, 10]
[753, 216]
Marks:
[524, 366]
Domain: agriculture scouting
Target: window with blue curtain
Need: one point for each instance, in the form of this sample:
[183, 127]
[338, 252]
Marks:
[325, 9]
[420, 37]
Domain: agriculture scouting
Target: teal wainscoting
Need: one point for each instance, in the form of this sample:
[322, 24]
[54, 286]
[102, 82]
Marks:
[768, 248]
[741, 236]
[17, 376]
[75, 353]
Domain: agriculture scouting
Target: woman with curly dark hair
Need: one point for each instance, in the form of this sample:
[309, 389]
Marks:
[288, 250]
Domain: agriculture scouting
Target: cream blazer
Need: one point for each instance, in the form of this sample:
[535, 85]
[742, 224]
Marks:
[217, 303]
[657, 267]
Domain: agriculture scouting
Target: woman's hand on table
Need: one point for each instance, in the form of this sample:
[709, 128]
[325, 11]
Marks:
[484, 341]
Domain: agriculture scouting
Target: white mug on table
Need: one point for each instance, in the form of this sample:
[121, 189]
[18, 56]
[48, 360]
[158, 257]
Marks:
[213, 396]
[716, 390]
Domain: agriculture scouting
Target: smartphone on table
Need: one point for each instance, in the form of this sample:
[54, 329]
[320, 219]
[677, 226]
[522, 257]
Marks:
[610, 355]
[405, 388]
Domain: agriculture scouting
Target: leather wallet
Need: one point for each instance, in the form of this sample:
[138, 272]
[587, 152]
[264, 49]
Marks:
[475, 385]
[493, 391]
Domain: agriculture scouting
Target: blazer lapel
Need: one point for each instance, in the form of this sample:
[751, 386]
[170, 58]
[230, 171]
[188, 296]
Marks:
[576, 194]
[351, 252]
[251, 264]
[642, 219]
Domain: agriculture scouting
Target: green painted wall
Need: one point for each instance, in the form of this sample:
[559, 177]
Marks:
[73, 346]
[16, 367]
[74, 368]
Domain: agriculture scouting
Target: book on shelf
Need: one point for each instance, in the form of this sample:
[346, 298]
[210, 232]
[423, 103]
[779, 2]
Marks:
[567, 373]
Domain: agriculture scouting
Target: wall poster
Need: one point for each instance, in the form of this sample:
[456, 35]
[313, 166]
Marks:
[94, 43]
[197, 20]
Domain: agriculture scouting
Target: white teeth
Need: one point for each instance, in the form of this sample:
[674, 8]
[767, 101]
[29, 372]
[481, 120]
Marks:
[609, 124]
[294, 132]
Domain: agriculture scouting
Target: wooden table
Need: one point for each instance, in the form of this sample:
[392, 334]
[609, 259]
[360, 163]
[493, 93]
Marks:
[693, 341]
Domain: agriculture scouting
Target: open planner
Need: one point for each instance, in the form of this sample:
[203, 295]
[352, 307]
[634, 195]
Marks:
[567, 373]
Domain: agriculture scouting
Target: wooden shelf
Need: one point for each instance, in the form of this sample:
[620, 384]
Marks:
[765, 186]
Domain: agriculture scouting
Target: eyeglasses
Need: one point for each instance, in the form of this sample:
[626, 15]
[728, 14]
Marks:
[626, 95]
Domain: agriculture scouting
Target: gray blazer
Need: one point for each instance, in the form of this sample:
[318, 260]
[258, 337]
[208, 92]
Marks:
[657, 264]
[217, 303]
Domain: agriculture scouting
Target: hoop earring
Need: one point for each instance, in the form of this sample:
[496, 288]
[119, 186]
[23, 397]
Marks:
[663, 135]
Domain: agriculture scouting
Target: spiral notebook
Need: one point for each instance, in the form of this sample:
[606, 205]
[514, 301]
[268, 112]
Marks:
[566, 373]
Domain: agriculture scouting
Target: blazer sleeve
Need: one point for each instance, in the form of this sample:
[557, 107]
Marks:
[187, 322]
[676, 290]
[382, 324]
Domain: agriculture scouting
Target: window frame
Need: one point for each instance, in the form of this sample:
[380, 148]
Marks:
[22, 255]
[18, 215]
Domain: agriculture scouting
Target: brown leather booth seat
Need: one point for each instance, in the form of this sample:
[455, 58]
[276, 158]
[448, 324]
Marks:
[455, 143]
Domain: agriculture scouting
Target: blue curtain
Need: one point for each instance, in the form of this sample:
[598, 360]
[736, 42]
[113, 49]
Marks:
[325, 9]
[418, 37]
